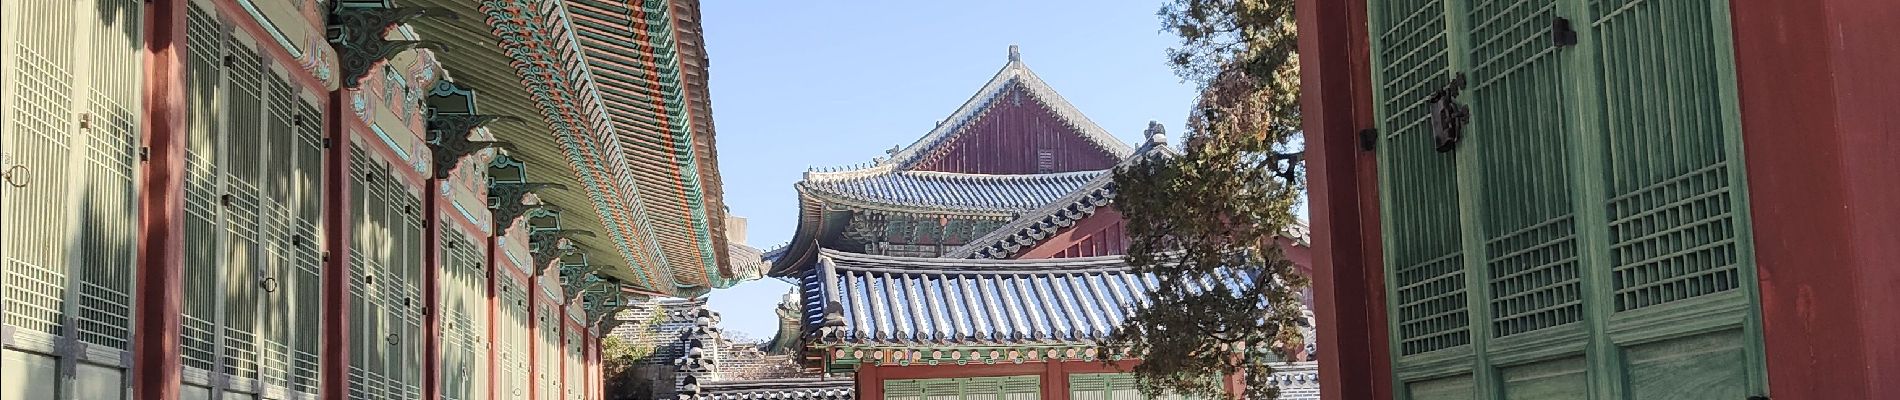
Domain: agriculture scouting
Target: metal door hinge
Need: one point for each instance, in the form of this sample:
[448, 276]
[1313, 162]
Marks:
[145, 154]
[85, 121]
[1368, 139]
[329, 142]
[1561, 34]
[1448, 118]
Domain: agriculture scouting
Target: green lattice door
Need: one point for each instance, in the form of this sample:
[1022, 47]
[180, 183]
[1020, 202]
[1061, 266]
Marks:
[1585, 234]
[69, 138]
[986, 388]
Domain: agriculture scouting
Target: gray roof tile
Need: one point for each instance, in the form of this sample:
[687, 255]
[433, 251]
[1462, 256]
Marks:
[884, 300]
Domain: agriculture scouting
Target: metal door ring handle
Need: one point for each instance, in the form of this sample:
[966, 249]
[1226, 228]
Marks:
[269, 284]
[17, 176]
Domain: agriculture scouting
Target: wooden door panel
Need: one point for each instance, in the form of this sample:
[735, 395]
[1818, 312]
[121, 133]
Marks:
[1450, 388]
[1711, 366]
[1547, 380]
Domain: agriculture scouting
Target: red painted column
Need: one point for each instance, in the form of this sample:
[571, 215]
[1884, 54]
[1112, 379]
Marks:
[431, 289]
[1055, 381]
[1820, 136]
[534, 336]
[870, 385]
[494, 313]
[561, 321]
[333, 364]
[157, 358]
[1348, 282]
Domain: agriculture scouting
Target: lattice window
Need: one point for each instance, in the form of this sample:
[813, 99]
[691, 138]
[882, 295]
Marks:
[40, 136]
[1530, 238]
[1427, 260]
[988, 388]
[1672, 220]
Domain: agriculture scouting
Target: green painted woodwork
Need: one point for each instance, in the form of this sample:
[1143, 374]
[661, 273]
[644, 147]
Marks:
[71, 107]
[1449, 388]
[511, 339]
[463, 301]
[912, 235]
[985, 388]
[253, 216]
[1107, 386]
[1594, 206]
[1691, 368]
[386, 297]
[1547, 380]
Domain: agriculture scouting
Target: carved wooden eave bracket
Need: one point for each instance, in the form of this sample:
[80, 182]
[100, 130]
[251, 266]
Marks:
[448, 139]
[508, 201]
[549, 245]
[608, 305]
[578, 279]
[359, 36]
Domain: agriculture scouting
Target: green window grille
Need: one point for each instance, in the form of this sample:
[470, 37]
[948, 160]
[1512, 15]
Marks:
[40, 136]
[386, 259]
[111, 148]
[69, 112]
[986, 388]
[464, 297]
[1108, 386]
[251, 216]
[1425, 252]
[1673, 217]
[1590, 211]
[242, 250]
[203, 183]
[306, 284]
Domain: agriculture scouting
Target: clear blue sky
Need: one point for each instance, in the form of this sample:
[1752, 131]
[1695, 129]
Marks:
[797, 84]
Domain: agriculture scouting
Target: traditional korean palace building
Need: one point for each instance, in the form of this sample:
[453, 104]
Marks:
[983, 261]
[1610, 199]
[346, 199]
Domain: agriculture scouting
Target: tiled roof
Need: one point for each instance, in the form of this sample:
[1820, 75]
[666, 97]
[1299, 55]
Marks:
[945, 191]
[1297, 381]
[868, 299]
[780, 389]
[1035, 226]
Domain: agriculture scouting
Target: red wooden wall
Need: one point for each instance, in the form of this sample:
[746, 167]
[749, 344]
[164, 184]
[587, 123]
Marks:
[1098, 234]
[1009, 138]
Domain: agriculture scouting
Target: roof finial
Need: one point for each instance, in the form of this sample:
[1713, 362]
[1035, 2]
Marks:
[1157, 134]
[1014, 54]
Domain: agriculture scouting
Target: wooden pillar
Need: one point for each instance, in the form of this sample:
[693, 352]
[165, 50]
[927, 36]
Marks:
[431, 288]
[1820, 135]
[1348, 281]
[870, 386]
[560, 391]
[1055, 380]
[157, 358]
[534, 336]
[494, 312]
[334, 362]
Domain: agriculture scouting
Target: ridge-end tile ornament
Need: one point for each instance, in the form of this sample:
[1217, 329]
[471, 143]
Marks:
[357, 32]
[508, 201]
[549, 245]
